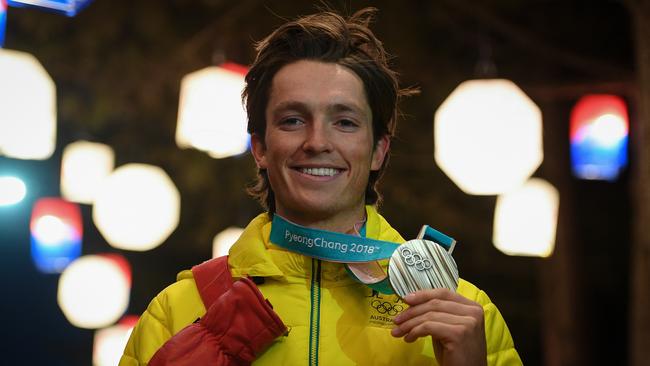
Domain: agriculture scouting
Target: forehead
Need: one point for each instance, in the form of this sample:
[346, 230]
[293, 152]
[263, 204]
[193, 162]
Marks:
[318, 85]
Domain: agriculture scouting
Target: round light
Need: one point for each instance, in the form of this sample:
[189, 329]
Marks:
[211, 116]
[137, 207]
[488, 136]
[84, 167]
[109, 343]
[608, 130]
[12, 191]
[51, 230]
[525, 219]
[224, 240]
[28, 107]
[93, 292]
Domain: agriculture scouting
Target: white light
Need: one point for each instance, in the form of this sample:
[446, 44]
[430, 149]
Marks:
[109, 344]
[224, 240]
[525, 219]
[84, 167]
[12, 191]
[211, 116]
[93, 292]
[608, 130]
[488, 136]
[27, 107]
[137, 207]
[50, 230]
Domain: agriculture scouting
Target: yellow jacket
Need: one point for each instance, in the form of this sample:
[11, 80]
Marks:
[332, 319]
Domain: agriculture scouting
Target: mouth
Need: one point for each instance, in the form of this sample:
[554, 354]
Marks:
[320, 172]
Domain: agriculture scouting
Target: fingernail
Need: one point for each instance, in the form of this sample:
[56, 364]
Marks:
[396, 332]
[409, 297]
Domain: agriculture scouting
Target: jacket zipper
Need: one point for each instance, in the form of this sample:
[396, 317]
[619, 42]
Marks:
[314, 316]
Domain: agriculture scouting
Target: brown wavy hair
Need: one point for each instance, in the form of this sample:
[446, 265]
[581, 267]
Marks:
[325, 37]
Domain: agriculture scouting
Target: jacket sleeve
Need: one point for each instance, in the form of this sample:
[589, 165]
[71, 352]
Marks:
[235, 329]
[500, 346]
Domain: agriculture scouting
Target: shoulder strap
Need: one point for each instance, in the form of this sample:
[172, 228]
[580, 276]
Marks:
[212, 279]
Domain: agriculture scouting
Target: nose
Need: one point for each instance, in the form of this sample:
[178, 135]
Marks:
[317, 139]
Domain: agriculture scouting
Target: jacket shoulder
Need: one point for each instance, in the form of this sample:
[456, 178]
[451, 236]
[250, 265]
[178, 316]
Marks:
[171, 310]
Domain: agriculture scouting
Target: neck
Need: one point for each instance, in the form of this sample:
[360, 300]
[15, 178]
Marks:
[340, 223]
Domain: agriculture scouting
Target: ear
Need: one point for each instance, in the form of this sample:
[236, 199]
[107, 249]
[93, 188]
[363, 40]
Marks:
[379, 153]
[258, 150]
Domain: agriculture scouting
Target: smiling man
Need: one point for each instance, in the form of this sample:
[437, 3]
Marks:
[322, 107]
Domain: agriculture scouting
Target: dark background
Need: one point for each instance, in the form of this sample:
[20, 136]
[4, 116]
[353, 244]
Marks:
[118, 65]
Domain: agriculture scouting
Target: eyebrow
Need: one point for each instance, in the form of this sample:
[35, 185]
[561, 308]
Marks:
[303, 108]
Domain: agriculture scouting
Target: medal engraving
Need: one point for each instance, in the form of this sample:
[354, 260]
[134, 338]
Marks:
[419, 265]
[415, 259]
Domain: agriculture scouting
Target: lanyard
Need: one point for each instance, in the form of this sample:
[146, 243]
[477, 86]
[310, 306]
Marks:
[360, 254]
[328, 245]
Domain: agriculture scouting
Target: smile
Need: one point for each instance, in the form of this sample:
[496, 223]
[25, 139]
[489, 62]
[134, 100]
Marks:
[320, 172]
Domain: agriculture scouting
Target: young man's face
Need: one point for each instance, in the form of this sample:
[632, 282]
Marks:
[318, 149]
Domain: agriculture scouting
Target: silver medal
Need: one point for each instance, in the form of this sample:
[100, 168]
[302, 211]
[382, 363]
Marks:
[421, 264]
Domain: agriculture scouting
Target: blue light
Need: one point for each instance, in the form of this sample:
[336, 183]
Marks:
[12, 190]
[55, 234]
[66, 7]
[3, 21]
[599, 137]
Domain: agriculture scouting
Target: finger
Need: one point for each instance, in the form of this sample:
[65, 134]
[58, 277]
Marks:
[438, 331]
[421, 296]
[435, 317]
[438, 305]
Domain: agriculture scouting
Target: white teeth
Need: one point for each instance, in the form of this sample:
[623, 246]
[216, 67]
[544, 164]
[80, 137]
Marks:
[323, 172]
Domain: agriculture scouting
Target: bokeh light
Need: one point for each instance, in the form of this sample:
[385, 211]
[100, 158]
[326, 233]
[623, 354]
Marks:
[224, 240]
[599, 137]
[525, 219]
[56, 234]
[94, 291]
[12, 190]
[84, 167]
[27, 107]
[211, 116]
[109, 343]
[137, 207]
[488, 136]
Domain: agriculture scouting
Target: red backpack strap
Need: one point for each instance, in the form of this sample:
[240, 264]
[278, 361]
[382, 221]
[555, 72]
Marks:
[213, 279]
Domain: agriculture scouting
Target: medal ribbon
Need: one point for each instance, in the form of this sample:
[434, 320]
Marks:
[328, 245]
[357, 252]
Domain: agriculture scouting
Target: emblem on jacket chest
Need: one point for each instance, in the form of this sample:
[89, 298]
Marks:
[382, 309]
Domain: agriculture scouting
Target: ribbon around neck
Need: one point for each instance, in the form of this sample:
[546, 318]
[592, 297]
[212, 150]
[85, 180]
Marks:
[360, 254]
[328, 245]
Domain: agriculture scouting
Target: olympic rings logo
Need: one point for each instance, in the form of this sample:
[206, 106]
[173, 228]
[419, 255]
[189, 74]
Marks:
[386, 307]
[415, 259]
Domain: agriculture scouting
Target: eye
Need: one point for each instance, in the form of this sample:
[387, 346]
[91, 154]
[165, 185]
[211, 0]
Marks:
[290, 123]
[347, 124]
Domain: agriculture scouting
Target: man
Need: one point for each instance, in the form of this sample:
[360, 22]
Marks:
[322, 106]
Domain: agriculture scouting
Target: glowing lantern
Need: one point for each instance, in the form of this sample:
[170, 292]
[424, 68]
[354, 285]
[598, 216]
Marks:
[109, 343]
[224, 240]
[56, 232]
[27, 107]
[137, 207]
[599, 134]
[84, 166]
[94, 290]
[525, 219]
[488, 136]
[12, 190]
[211, 116]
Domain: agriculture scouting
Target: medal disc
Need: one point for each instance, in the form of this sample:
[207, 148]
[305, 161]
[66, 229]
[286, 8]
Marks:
[419, 265]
